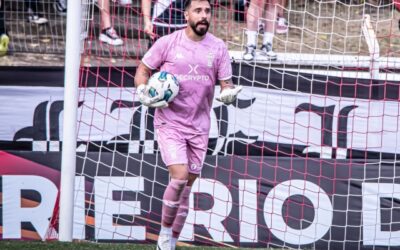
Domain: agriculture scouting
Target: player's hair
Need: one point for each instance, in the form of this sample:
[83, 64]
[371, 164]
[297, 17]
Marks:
[189, 2]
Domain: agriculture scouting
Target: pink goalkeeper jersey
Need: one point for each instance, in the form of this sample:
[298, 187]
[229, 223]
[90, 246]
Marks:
[197, 66]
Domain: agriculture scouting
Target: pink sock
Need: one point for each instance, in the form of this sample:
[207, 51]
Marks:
[182, 213]
[171, 199]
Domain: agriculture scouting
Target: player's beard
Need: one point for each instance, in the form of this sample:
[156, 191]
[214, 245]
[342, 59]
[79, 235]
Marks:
[200, 31]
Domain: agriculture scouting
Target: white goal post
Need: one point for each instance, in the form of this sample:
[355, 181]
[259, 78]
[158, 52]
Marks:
[71, 83]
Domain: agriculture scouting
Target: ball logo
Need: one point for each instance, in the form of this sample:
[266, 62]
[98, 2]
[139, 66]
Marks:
[175, 80]
[162, 77]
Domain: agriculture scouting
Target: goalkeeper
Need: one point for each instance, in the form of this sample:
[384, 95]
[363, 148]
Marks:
[198, 60]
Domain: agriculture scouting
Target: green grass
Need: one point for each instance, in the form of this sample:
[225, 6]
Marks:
[33, 245]
[76, 246]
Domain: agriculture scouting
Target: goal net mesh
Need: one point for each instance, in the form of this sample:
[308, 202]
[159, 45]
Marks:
[306, 157]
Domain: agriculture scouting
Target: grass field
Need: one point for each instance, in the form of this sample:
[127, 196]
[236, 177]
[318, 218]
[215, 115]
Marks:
[81, 246]
[35, 245]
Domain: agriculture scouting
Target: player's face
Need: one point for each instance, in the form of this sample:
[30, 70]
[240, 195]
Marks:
[198, 17]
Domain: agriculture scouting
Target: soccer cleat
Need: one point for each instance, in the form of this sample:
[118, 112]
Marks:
[266, 50]
[4, 40]
[164, 242]
[32, 18]
[110, 36]
[282, 26]
[250, 53]
[60, 7]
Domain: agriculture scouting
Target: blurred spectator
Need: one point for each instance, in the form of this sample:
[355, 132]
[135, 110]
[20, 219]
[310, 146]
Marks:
[258, 10]
[60, 6]
[108, 33]
[281, 23]
[34, 16]
[4, 39]
[167, 17]
[281, 26]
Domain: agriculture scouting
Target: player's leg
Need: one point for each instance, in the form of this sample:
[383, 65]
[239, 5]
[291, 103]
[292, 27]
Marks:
[254, 13]
[171, 201]
[183, 210]
[173, 152]
[172, 195]
[196, 151]
[270, 17]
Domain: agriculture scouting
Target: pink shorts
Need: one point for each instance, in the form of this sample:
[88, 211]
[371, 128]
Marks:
[178, 147]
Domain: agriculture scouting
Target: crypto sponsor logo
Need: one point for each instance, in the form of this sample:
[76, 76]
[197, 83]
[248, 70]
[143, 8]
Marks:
[193, 74]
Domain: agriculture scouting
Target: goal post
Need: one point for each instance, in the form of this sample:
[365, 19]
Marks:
[71, 84]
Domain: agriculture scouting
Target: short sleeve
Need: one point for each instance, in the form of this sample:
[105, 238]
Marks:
[224, 66]
[156, 55]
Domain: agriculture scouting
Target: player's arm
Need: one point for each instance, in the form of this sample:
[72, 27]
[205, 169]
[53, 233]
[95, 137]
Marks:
[226, 84]
[141, 78]
[229, 91]
[152, 60]
[142, 74]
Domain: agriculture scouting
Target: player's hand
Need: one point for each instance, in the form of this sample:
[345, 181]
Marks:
[228, 95]
[155, 102]
[148, 29]
[161, 104]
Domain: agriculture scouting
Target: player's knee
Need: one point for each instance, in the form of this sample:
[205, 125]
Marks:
[178, 185]
[179, 172]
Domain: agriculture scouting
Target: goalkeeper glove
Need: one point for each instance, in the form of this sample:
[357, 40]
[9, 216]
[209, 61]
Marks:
[228, 95]
[153, 102]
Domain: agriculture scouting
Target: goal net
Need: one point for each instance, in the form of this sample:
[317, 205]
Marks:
[306, 157]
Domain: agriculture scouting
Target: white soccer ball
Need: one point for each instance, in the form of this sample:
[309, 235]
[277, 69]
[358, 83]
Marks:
[164, 83]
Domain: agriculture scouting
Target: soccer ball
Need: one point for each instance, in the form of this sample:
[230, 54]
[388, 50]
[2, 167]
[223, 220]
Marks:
[164, 83]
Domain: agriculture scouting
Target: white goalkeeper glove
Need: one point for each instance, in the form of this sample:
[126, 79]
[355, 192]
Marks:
[228, 95]
[154, 102]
